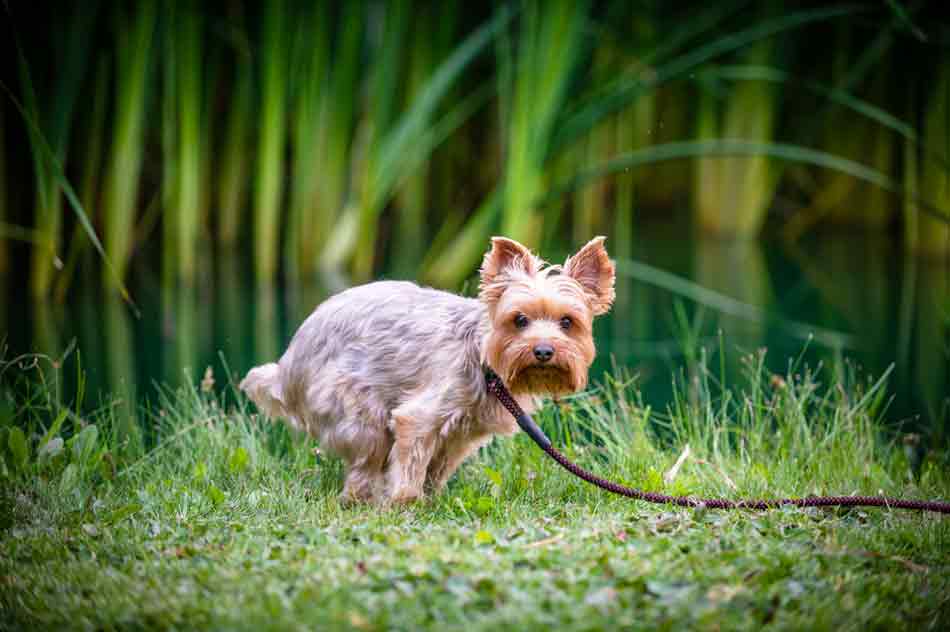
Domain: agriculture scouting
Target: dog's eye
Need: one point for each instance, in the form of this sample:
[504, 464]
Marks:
[566, 323]
[521, 321]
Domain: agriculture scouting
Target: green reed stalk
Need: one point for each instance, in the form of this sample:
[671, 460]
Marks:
[232, 188]
[430, 42]
[589, 202]
[269, 171]
[323, 120]
[634, 129]
[312, 63]
[53, 116]
[548, 50]
[340, 115]
[732, 194]
[169, 140]
[410, 140]
[90, 181]
[871, 144]
[933, 235]
[48, 204]
[122, 179]
[4, 197]
[184, 129]
[380, 116]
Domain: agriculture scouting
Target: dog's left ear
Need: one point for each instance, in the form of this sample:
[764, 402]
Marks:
[505, 257]
[593, 269]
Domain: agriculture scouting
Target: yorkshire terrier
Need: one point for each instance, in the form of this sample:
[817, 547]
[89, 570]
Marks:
[390, 375]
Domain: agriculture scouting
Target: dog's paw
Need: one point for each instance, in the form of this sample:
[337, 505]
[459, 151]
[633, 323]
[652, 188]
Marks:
[404, 497]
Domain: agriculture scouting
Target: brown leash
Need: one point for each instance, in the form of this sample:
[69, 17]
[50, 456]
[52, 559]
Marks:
[497, 388]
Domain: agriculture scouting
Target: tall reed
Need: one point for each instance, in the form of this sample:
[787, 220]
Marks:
[133, 53]
[431, 41]
[235, 154]
[185, 178]
[732, 195]
[5, 198]
[548, 50]
[53, 118]
[675, 58]
[311, 56]
[48, 202]
[411, 138]
[90, 180]
[272, 127]
[589, 203]
[380, 115]
[635, 128]
[340, 111]
[933, 234]
[324, 111]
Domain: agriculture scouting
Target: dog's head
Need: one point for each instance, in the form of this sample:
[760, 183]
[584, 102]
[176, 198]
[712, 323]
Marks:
[541, 316]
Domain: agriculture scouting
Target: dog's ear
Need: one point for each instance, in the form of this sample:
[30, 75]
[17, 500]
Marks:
[506, 257]
[593, 269]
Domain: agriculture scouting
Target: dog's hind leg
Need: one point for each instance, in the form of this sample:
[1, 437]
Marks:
[364, 449]
[415, 439]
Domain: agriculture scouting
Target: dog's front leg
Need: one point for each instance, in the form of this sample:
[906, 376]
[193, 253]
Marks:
[415, 439]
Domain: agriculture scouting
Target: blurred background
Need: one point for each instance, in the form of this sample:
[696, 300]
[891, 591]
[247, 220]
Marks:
[182, 182]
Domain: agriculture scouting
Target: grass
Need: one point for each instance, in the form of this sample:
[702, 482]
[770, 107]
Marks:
[228, 521]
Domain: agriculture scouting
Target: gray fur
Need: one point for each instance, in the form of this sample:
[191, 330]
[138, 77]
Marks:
[378, 350]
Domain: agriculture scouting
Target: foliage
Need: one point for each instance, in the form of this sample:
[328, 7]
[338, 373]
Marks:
[359, 140]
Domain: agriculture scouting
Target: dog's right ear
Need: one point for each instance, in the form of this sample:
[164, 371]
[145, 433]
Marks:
[505, 257]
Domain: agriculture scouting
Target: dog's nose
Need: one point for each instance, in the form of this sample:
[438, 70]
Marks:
[543, 352]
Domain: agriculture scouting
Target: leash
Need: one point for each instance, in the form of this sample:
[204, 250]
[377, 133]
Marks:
[497, 388]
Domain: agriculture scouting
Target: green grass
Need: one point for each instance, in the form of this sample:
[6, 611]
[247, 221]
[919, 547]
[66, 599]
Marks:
[231, 522]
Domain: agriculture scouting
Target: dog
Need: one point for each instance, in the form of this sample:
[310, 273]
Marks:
[390, 376]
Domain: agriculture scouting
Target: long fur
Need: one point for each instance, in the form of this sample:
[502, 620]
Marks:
[389, 375]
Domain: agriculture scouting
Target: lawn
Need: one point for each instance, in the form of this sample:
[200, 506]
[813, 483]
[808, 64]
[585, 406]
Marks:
[224, 520]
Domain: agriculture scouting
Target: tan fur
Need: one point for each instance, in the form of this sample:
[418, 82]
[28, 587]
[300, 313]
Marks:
[390, 376]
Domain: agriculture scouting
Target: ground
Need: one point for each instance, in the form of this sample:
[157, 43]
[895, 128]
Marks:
[228, 521]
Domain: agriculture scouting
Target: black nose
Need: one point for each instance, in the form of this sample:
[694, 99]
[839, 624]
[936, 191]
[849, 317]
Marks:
[543, 352]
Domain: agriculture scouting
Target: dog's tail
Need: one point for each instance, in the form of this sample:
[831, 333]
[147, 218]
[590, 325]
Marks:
[263, 385]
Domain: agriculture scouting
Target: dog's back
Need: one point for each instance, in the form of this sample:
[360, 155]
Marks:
[362, 350]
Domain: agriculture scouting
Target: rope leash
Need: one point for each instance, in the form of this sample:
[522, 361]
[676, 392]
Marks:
[497, 388]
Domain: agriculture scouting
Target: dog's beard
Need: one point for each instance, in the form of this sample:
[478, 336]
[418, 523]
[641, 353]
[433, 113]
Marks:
[543, 379]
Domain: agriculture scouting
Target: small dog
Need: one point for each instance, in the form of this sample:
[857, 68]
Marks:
[390, 375]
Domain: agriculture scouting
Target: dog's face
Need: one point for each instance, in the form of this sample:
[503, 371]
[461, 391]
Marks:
[541, 316]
